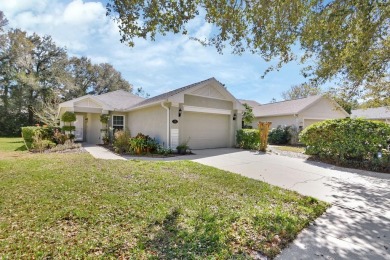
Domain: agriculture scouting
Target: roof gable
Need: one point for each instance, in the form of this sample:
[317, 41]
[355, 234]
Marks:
[288, 107]
[87, 102]
[210, 88]
[119, 99]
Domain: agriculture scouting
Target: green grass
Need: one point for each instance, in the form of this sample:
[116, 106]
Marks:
[289, 148]
[75, 206]
[8, 144]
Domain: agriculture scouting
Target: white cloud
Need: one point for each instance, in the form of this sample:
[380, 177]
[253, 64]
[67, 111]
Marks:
[169, 62]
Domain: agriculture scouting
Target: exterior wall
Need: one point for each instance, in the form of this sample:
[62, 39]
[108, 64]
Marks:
[150, 121]
[276, 121]
[197, 101]
[324, 109]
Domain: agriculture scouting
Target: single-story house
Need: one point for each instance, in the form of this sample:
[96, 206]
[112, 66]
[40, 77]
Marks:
[205, 113]
[377, 114]
[299, 112]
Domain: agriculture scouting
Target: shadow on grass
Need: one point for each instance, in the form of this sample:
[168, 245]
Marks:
[173, 241]
[21, 148]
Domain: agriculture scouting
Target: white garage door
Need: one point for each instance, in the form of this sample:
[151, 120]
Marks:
[311, 121]
[205, 130]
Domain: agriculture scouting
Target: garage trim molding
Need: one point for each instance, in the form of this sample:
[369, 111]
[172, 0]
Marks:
[207, 110]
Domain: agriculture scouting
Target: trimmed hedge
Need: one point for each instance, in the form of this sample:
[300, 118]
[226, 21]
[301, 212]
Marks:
[342, 140]
[248, 139]
[28, 134]
[68, 117]
[68, 128]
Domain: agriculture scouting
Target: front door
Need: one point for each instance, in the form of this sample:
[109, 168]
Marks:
[79, 124]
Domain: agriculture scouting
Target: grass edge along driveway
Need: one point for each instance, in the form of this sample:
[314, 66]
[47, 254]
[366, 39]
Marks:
[75, 206]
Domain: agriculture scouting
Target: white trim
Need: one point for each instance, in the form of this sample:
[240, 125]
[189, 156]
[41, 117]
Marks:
[124, 120]
[168, 124]
[224, 99]
[207, 110]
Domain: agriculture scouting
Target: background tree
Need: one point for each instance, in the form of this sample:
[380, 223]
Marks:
[347, 100]
[108, 79]
[141, 93]
[36, 75]
[378, 94]
[82, 77]
[46, 112]
[301, 91]
[342, 39]
[247, 115]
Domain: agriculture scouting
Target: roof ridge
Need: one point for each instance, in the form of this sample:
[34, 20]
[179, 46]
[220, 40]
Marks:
[172, 92]
[291, 100]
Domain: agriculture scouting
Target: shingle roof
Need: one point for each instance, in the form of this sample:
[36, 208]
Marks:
[251, 103]
[116, 100]
[166, 95]
[288, 107]
[119, 99]
[372, 113]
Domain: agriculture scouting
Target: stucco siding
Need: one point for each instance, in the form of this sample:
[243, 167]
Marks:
[323, 109]
[197, 101]
[276, 121]
[151, 121]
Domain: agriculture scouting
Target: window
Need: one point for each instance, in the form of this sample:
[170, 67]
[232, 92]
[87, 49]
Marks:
[118, 122]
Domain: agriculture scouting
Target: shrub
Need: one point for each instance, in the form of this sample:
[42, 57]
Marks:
[28, 134]
[121, 141]
[279, 135]
[293, 131]
[346, 139]
[39, 144]
[68, 128]
[59, 138]
[248, 138]
[66, 146]
[68, 117]
[143, 144]
[104, 118]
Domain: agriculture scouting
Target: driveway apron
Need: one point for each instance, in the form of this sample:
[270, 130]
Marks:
[356, 226]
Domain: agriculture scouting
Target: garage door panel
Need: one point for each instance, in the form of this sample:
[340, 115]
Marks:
[205, 130]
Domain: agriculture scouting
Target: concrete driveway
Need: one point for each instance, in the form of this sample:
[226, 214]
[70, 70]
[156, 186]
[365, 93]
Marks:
[357, 226]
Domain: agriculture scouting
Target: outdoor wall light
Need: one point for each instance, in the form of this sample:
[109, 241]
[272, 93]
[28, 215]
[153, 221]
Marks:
[180, 112]
[234, 116]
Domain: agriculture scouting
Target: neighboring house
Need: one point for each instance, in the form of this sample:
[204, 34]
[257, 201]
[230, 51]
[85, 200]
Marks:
[377, 114]
[204, 113]
[299, 112]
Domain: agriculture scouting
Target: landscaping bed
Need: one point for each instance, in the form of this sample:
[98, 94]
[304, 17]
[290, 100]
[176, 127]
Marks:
[151, 155]
[75, 206]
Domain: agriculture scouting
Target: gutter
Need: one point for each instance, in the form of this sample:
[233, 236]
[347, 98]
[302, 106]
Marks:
[168, 119]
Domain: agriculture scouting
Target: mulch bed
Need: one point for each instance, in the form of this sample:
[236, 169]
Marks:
[150, 155]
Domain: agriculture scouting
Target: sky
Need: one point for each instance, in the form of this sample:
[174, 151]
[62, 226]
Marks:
[157, 66]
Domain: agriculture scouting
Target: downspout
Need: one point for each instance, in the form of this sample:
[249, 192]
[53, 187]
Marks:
[168, 117]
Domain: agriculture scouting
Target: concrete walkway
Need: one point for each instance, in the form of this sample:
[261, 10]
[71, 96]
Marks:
[357, 226]
[100, 152]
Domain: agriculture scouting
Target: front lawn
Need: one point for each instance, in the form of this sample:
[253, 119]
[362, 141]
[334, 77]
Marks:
[75, 206]
[290, 148]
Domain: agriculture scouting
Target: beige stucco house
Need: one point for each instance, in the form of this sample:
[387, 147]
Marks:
[299, 112]
[377, 114]
[204, 113]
